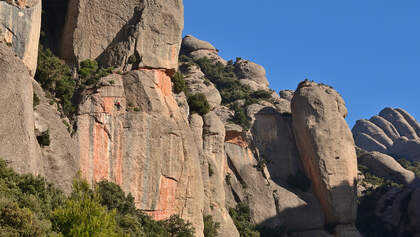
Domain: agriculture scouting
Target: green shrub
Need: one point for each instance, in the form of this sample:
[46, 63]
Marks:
[211, 171]
[179, 83]
[55, 78]
[227, 178]
[299, 181]
[242, 219]
[240, 116]
[410, 165]
[36, 100]
[198, 104]
[211, 228]
[178, 227]
[44, 138]
[90, 73]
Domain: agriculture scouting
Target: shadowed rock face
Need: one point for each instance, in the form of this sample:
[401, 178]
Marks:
[20, 25]
[112, 31]
[394, 132]
[326, 148]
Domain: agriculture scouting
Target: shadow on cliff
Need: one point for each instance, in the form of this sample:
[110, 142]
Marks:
[116, 52]
[53, 19]
[311, 216]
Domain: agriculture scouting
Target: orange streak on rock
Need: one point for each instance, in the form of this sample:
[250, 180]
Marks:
[100, 154]
[164, 82]
[236, 138]
[166, 204]
[108, 105]
[118, 159]
[84, 146]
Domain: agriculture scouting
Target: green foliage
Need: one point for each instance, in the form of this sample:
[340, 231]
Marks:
[410, 165]
[227, 178]
[211, 171]
[299, 181]
[369, 177]
[29, 206]
[132, 59]
[261, 164]
[240, 116]
[242, 219]
[198, 104]
[179, 83]
[36, 100]
[83, 215]
[55, 78]
[44, 138]
[211, 228]
[90, 73]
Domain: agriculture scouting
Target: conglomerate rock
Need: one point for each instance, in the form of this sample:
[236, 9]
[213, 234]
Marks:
[326, 147]
[112, 31]
[20, 26]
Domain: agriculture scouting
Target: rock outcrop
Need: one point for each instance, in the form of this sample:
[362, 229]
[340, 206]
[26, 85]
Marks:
[122, 33]
[196, 49]
[394, 132]
[251, 74]
[386, 167]
[326, 148]
[20, 25]
[19, 145]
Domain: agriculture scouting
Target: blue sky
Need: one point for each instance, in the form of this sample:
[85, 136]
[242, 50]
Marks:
[369, 50]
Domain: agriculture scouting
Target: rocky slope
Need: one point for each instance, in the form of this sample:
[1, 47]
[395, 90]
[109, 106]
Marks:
[290, 156]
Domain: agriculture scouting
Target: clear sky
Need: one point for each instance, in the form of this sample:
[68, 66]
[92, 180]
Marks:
[368, 50]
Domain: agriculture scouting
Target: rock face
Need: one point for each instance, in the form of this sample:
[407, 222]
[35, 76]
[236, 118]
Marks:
[112, 31]
[386, 167]
[327, 150]
[394, 132]
[251, 74]
[196, 49]
[20, 25]
[150, 152]
[17, 138]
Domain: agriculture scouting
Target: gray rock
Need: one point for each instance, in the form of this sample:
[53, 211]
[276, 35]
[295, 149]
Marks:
[251, 71]
[386, 126]
[402, 126]
[375, 132]
[386, 167]
[20, 25]
[368, 143]
[190, 44]
[112, 31]
[18, 144]
[287, 94]
[210, 54]
[405, 148]
[410, 119]
[326, 147]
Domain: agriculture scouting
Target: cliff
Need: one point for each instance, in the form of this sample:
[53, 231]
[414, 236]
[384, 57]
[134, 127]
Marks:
[183, 130]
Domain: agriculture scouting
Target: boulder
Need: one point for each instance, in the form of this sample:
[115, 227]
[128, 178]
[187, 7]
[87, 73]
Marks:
[286, 94]
[327, 150]
[112, 31]
[190, 44]
[398, 120]
[375, 132]
[386, 167]
[20, 26]
[247, 70]
[386, 126]
[18, 144]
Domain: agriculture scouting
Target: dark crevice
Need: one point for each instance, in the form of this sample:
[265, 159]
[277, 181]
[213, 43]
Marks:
[53, 19]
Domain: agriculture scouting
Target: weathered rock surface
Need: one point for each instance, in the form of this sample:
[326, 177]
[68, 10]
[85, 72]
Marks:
[393, 132]
[247, 70]
[20, 26]
[196, 49]
[386, 167]
[112, 31]
[18, 143]
[327, 150]
[150, 151]
[61, 157]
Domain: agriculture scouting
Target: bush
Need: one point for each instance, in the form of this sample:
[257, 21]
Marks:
[178, 227]
[299, 181]
[55, 78]
[242, 219]
[90, 73]
[211, 171]
[179, 83]
[240, 116]
[44, 138]
[410, 165]
[36, 100]
[198, 104]
[211, 228]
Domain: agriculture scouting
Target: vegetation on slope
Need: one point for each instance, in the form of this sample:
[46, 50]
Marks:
[30, 206]
[234, 94]
[410, 165]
